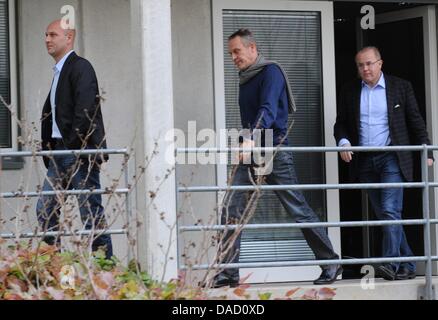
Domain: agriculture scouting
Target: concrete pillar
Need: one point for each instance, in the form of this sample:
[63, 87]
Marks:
[158, 237]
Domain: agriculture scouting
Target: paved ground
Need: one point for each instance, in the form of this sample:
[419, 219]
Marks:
[378, 289]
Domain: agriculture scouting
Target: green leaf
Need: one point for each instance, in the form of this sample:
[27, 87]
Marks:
[265, 296]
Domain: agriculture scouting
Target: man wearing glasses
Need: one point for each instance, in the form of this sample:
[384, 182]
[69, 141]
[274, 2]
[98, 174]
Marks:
[381, 110]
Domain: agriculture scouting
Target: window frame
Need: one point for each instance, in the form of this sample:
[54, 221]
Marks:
[13, 76]
[13, 163]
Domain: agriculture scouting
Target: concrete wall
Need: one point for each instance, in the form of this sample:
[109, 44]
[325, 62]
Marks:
[194, 101]
[104, 38]
[109, 35]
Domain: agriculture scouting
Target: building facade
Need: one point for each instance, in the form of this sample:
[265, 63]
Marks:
[163, 64]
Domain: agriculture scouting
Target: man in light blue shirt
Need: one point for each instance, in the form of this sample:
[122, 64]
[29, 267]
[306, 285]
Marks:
[381, 110]
[374, 125]
[56, 134]
[374, 129]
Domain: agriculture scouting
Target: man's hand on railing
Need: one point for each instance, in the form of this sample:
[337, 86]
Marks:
[347, 156]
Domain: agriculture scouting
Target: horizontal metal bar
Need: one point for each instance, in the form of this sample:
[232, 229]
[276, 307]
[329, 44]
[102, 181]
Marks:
[405, 185]
[412, 222]
[306, 263]
[28, 154]
[305, 149]
[11, 195]
[62, 234]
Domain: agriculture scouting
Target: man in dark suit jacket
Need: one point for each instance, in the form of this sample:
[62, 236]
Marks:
[72, 120]
[381, 110]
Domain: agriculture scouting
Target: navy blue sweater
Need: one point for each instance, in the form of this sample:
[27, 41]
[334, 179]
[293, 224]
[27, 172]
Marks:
[264, 103]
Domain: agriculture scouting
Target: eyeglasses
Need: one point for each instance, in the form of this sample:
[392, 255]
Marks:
[367, 64]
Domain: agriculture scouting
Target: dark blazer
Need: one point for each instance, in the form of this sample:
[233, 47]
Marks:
[78, 109]
[406, 126]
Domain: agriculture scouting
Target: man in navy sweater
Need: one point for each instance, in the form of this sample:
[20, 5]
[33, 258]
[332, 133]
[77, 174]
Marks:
[265, 101]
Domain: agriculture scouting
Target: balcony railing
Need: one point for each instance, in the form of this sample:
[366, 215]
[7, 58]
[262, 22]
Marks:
[426, 222]
[122, 191]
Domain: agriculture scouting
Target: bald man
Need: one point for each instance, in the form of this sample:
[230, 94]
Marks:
[72, 120]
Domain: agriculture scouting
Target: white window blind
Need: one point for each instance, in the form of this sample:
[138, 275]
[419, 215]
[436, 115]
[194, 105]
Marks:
[5, 91]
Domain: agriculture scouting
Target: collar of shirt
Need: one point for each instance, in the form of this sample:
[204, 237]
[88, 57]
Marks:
[381, 83]
[58, 67]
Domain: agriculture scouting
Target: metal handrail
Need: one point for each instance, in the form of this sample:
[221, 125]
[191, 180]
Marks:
[427, 222]
[19, 194]
[412, 185]
[309, 263]
[60, 153]
[31, 235]
[349, 224]
[88, 152]
[306, 149]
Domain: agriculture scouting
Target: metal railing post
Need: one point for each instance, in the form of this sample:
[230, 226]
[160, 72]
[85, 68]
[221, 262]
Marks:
[128, 209]
[178, 257]
[427, 226]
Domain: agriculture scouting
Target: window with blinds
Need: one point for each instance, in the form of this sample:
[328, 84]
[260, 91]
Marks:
[292, 38]
[5, 91]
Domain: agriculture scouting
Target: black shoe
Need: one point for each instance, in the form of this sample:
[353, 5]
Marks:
[222, 280]
[386, 271]
[405, 274]
[329, 275]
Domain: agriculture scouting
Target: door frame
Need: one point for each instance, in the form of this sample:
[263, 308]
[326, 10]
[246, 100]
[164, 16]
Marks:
[428, 14]
[325, 8]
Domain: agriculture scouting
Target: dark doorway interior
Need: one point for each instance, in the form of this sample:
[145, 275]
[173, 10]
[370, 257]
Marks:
[401, 45]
